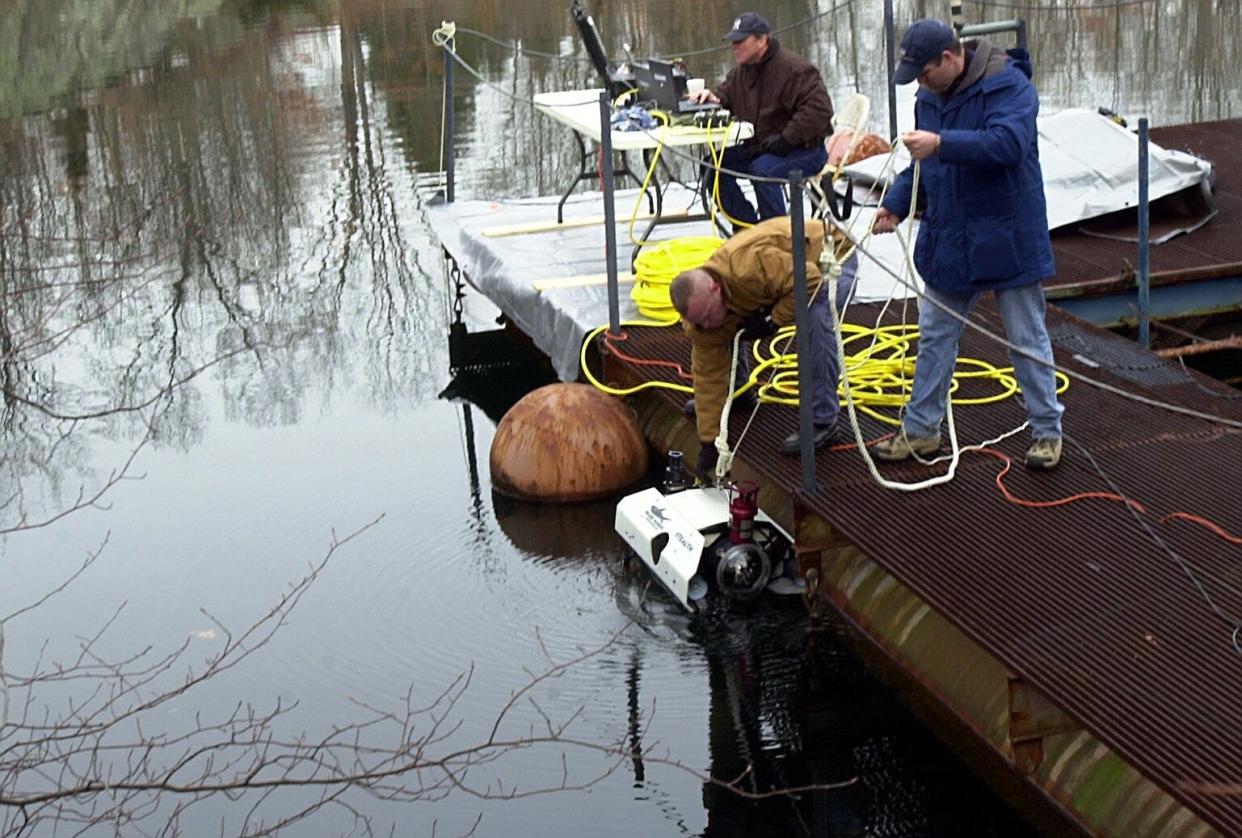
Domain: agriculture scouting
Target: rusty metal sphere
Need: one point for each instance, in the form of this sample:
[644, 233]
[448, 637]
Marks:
[567, 442]
[868, 145]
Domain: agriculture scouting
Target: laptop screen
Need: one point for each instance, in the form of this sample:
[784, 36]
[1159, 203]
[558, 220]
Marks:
[658, 83]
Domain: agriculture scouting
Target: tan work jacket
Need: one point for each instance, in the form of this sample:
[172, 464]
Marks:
[755, 272]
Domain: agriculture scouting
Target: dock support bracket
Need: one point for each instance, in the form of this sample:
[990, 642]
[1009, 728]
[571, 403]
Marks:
[814, 537]
[479, 350]
[1032, 718]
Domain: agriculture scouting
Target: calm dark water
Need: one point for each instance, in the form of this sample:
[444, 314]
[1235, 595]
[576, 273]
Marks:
[223, 340]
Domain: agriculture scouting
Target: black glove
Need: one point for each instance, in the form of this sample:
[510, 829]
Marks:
[757, 327]
[775, 144]
[706, 467]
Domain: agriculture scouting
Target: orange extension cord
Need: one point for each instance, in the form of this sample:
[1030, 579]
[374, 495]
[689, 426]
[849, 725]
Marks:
[1009, 496]
[1211, 526]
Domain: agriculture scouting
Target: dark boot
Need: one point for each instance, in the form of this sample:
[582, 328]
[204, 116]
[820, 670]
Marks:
[824, 435]
[746, 400]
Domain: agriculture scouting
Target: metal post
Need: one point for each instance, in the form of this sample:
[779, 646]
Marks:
[610, 212]
[806, 428]
[890, 54]
[1144, 276]
[1016, 25]
[449, 162]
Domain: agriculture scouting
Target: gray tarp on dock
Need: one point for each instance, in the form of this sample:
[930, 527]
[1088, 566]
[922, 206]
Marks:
[1084, 178]
[505, 265]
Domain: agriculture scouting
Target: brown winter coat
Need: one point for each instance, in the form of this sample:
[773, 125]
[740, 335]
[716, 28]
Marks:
[782, 94]
[755, 271]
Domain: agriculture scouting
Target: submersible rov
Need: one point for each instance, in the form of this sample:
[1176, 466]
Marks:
[700, 540]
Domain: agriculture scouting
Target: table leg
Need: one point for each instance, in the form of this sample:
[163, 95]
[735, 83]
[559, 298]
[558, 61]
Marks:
[583, 174]
[586, 172]
[707, 180]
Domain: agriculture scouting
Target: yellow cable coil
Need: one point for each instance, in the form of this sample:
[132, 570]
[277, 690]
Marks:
[655, 267]
[880, 371]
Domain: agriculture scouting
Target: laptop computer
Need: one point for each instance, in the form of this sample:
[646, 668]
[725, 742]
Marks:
[659, 82]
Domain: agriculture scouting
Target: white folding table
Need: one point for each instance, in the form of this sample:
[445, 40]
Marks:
[579, 110]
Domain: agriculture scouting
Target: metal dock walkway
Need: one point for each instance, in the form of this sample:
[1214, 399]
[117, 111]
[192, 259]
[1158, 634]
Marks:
[1196, 275]
[1211, 251]
[1121, 617]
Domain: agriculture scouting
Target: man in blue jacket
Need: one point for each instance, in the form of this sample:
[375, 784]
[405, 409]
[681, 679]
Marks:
[984, 226]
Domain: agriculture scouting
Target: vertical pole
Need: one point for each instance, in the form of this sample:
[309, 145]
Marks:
[806, 429]
[610, 213]
[890, 55]
[472, 459]
[1144, 276]
[449, 158]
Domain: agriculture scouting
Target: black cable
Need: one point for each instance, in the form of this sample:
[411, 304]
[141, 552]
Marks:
[517, 47]
[1070, 7]
[1159, 542]
[1210, 392]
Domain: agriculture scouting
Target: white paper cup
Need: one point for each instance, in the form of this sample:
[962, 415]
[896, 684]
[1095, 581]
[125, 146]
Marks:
[694, 86]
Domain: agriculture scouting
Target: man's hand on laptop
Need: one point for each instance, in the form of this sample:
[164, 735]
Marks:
[701, 96]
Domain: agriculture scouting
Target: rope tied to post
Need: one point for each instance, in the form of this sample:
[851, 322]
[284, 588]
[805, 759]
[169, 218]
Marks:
[445, 34]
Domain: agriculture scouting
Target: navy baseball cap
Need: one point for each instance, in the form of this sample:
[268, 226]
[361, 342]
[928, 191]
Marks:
[924, 40]
[745, 25]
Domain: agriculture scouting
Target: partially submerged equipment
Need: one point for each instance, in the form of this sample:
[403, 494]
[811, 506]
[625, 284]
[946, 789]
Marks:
[698, 540]
[567, 442]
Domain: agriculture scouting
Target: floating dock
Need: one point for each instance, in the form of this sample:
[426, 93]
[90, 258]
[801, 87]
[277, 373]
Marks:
[1199, 273]
[1078, 629]
[1085, 642]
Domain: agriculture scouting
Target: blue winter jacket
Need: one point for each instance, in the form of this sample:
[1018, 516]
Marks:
[985, 224]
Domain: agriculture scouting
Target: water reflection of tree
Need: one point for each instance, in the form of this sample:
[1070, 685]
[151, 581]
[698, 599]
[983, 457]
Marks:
[179, 222]
[51, 49]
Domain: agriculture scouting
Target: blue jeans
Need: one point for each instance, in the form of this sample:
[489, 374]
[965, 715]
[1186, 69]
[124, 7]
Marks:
[1022, 310]
[770, 196]
[824, 367]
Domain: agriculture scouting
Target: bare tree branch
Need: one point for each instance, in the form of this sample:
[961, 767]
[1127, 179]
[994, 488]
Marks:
[98, 761]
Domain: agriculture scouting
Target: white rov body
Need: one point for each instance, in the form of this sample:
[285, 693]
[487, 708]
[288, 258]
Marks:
[670, 532]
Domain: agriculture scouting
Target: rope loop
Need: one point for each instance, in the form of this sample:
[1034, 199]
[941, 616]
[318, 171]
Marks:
[445, 34]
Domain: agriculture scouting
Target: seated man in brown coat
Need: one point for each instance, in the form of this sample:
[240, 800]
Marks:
[748, 285]
[784, 97]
